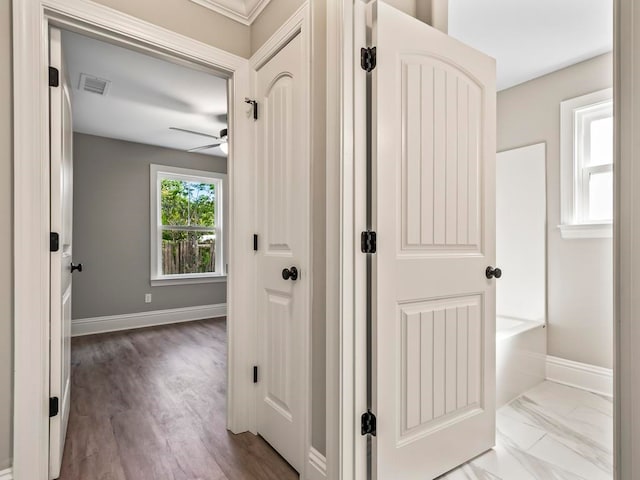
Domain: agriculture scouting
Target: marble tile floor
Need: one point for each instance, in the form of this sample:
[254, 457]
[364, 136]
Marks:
[552, 432]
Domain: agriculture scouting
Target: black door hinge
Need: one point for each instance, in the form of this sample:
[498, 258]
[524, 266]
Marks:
[368, 242]
[254, 104]
[54, 241]
[54, 406]
[255, 242]
[368, 423]
[368, 58]
[255, 374]
[54, 77]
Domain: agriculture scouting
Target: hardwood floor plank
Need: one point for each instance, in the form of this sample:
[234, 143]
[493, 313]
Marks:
[151, 404]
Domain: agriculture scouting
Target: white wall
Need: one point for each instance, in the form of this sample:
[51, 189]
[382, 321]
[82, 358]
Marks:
[580, 271]
[521, 221]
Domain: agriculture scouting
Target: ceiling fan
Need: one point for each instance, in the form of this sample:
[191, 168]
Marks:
[222, 139]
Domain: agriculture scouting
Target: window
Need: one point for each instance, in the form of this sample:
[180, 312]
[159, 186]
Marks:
[587, 165]
[187, 233]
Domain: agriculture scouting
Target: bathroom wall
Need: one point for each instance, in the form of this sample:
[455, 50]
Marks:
[521, 223]
[580, 271]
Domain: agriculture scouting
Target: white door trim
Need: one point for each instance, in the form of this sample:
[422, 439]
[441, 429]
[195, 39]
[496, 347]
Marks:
[298, 24]
[31, 210]
[346, 265]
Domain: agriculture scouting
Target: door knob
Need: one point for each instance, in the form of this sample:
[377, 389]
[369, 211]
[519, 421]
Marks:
[77, 267]
[290, 273]
[491, 272]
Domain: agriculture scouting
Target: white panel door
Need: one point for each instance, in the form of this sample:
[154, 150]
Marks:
[61, 223]
[283, 216]
[433, 309]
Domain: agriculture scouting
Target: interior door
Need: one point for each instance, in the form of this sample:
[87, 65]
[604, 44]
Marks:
[433, 208]
[62, 224]
[283, 264]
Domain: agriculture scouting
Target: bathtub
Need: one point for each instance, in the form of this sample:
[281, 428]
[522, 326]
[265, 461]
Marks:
[521, 349]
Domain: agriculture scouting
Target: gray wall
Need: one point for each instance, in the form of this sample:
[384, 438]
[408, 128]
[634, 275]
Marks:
[318, 167]
[190, 19]
[270, 19]
[6, 236]
[111, 235]
[580, 271]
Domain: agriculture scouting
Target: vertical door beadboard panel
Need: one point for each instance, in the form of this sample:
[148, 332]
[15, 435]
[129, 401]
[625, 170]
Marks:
[441, 180]
[441, 362]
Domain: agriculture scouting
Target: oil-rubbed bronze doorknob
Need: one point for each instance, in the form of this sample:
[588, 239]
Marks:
[77, 267]
[491, 272]
[290, 273]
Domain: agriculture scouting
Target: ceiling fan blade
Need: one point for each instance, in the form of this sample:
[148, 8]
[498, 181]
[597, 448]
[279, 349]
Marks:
[204, 147]
[193, 132]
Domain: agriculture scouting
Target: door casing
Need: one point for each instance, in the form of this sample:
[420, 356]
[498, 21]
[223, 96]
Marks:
[31, 20]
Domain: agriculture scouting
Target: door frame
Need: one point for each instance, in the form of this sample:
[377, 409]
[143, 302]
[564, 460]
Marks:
[298, 24]
[31, 19]
[346, 450]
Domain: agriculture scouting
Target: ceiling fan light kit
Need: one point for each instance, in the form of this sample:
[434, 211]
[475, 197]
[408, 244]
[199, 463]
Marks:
[222, 143]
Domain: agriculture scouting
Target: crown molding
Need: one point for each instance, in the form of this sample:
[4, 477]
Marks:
[243, 11]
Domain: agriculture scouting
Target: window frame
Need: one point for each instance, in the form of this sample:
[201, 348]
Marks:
[577, 114]
[162, 172]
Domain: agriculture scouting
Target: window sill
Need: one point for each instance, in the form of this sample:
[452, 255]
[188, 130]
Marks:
[186, 280]
[587, 230]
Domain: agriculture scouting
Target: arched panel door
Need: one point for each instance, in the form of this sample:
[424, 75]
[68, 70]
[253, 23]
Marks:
[433, 307]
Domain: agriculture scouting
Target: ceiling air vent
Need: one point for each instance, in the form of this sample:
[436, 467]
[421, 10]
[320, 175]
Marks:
[89, 83]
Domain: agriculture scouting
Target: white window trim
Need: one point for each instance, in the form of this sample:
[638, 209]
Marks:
[158, 172]
[572, 223]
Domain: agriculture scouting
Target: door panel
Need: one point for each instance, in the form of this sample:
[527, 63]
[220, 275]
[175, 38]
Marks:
[433, 208]
[440, 157]
[283, 206]
[61, 283]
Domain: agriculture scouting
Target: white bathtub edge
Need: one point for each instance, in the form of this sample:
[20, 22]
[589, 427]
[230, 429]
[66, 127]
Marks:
[580, 375]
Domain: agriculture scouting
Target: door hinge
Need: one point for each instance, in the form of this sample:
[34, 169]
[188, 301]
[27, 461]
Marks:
[368, 58]
[54, 406]
[254, 104]
[368, 423]
[255, 374]
[368, 242]
[255, 242]
[54, 241]
[54, 77]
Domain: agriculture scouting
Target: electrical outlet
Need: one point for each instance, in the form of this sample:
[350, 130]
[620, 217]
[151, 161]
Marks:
[147, 298]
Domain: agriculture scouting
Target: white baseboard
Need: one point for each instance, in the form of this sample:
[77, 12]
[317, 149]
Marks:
[317, 465]
[580, 375]
[6, 474]
[113, 323]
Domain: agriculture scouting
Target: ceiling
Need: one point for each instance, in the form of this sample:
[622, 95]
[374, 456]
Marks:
[146, 96]
[530, 38]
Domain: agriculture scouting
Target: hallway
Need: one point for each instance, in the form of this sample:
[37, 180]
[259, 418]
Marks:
[150, 404]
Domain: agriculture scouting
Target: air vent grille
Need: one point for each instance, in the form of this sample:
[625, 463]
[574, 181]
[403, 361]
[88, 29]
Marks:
[89, 83]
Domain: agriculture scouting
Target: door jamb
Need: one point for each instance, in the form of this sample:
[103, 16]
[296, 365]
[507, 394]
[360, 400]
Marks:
[31, 211]
[298, 24]
[346, 218]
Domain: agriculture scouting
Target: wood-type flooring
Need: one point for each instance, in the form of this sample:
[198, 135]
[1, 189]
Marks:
[150, 404]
